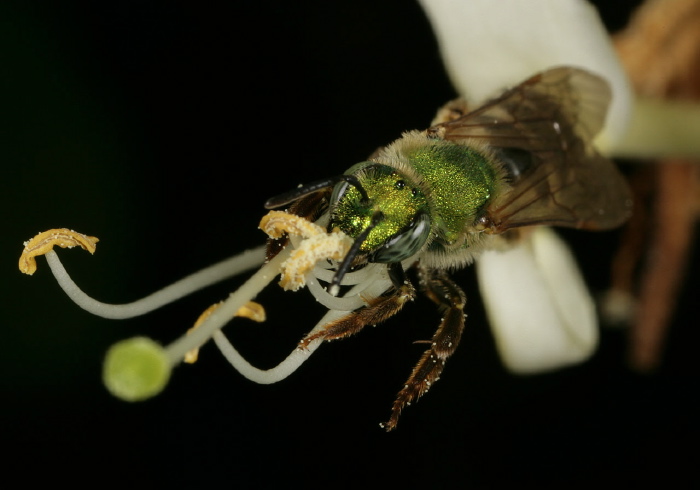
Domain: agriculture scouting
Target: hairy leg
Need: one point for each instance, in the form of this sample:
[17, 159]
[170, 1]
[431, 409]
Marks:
[378, 310]
[451, 301]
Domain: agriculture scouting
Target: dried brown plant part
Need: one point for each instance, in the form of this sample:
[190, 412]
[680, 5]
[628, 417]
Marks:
[660, 49]
[44, 242]
[674, 217]
[620, 300]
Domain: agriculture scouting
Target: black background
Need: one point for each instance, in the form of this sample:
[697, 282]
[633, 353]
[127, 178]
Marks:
[161, 128]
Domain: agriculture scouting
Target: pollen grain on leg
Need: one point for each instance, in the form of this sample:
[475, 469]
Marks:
[251, 310]
[45, 241]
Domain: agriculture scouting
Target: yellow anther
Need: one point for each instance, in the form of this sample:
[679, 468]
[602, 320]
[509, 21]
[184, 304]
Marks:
[317, 245]
[252, 310]
[331, 246]
[45, 241]
[277, 223]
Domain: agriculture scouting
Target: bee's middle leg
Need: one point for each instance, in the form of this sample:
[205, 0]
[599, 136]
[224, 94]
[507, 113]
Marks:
[451, 300]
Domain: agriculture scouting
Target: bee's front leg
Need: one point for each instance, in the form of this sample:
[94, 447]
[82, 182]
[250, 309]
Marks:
[378, 310]
[451, 300]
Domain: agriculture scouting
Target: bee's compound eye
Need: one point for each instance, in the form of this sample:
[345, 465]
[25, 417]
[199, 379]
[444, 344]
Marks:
[405, 243]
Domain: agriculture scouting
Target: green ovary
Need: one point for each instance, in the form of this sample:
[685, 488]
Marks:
[136, 369]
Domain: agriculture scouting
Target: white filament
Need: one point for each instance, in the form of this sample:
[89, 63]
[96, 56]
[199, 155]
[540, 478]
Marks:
[371, 288]
[333, 302]
[281, 371]
[194, 282]
[223, 314]
[367, 283]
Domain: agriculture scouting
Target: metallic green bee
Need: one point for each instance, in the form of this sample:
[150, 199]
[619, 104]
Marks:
[440, 196]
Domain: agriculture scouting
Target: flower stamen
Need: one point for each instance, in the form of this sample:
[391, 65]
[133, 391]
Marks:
[251, 310]
[316, 246]
[44, 242]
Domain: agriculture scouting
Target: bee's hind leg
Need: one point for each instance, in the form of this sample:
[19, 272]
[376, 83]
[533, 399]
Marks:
[451, 300]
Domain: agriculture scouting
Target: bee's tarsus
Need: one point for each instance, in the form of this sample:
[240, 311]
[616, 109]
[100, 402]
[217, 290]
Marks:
[397, 275]
[442, 346]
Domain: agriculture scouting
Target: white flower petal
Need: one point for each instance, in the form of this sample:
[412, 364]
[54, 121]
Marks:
[489, 46]
[541, 313]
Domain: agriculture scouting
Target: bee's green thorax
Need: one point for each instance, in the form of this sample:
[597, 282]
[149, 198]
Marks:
[398, 199]
[460, 179]
[420, 182]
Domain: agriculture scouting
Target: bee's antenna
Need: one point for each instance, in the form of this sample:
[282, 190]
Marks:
[303, 190]
[334, 286]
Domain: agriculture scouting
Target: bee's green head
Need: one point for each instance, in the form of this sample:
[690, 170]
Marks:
[384, 211]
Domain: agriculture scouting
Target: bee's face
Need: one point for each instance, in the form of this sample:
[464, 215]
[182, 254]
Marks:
[395, 213]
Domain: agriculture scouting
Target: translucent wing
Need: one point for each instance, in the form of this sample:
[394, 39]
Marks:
[543, 130]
